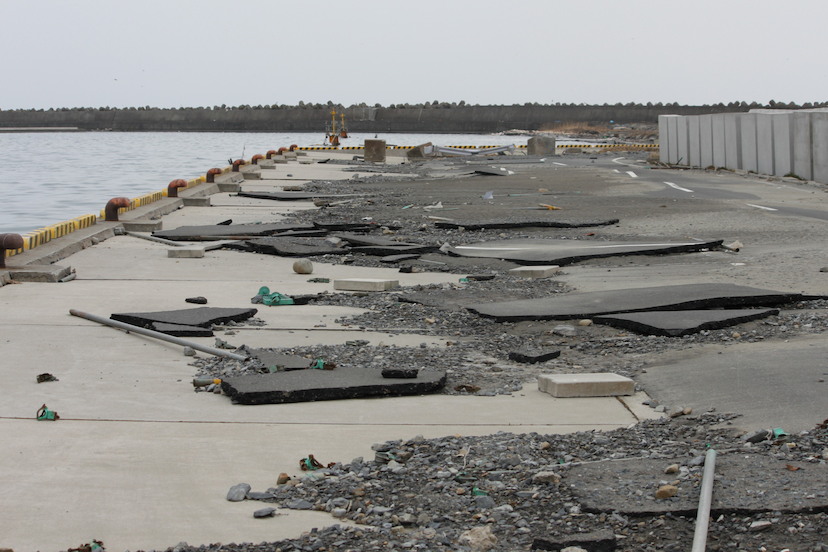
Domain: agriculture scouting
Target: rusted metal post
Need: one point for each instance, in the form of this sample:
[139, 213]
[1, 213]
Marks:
[111, 209]
[9, 241]
[172, 188]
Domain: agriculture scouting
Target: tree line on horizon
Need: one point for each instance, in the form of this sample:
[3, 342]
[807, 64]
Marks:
[741, 105]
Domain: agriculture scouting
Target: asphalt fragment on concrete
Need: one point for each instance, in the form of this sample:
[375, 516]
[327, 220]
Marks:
[323, 385]
[660, 298]
[683, 322]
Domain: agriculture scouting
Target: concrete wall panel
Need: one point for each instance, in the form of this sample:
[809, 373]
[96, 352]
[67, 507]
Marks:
[719, 140]
[748, 134]
[764, 143]
[819, 153]
[782, 145]
[733, 141]
[801, 138]
[683, 141]
[693, 144]
[706, 139]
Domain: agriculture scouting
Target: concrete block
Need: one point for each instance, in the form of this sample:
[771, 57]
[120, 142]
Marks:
[196, 201]
[374, 151]
[306, 161]
[535, 271]
[693, 141]
[141, 225]
[585, 385]
[364, 284]
[185, 252]
[801, 149]
[718, 123]
[747, 123]
[764, 143]
[540, 145]
[663, 139]
[733, 141]
[279, 160]
[706, 140]
[252, 173]
[289, 155]
[683, 140]
[421, 151]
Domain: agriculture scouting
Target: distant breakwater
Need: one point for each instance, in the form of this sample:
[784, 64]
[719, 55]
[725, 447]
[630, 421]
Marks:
[427, 118]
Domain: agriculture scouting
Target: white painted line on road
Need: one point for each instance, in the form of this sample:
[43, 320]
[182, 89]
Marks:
[616, 170]
[559, 164]
[617, 159]
[632, 174]
[761, 207]
[679, 188]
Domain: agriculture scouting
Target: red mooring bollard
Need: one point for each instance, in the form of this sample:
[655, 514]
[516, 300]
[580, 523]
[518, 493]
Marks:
[237, 163]
[255, 158]
[172, 189]
[211, 174]
[270, 154]
[112, 206]
[9, 241]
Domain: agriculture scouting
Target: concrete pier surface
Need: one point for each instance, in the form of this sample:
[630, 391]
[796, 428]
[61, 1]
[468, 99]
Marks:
[140, 461]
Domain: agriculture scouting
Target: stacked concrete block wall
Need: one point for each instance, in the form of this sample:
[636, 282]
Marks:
[773, 142]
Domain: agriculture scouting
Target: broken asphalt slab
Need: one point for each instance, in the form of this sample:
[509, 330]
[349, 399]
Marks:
[179, 330]
[684, 322]
[564, 252]
[275, 361]
[534, 223]
[288, 247]
[227, 231]
[663, 298]
[294, 196]
[745, 483]
[344, 382]
[200, 316]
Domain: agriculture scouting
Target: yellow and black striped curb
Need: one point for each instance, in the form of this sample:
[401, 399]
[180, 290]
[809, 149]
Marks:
[48, 233]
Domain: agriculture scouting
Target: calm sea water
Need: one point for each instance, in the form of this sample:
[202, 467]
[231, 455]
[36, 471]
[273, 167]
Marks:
[49, 177]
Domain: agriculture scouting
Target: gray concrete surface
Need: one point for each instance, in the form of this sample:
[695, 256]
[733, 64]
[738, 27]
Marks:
[138, 459]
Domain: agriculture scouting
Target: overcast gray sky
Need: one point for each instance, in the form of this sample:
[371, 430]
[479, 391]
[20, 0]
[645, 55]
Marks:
[191, 53]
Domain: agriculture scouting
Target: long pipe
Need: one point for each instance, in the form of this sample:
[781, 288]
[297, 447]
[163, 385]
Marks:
[705, 499]
[157, 335]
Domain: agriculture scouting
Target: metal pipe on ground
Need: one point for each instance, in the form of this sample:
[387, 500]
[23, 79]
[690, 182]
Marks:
[705, 499]
[156, 335]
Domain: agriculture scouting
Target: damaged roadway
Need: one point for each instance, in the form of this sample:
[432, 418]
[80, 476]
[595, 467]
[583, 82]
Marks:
[133, 436]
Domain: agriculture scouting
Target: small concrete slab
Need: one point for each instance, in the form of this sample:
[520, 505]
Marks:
[745, 483]
[364, 284]
[179, 330]
[141, 225]
[227, 231]
[323, 385]
[38, 273]
[533, 223]
[199, 316]
[564, 252]
[685, 322]
[586, 385]
[538, 271]
[662, 298]
[185, 252]
[196, 201]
